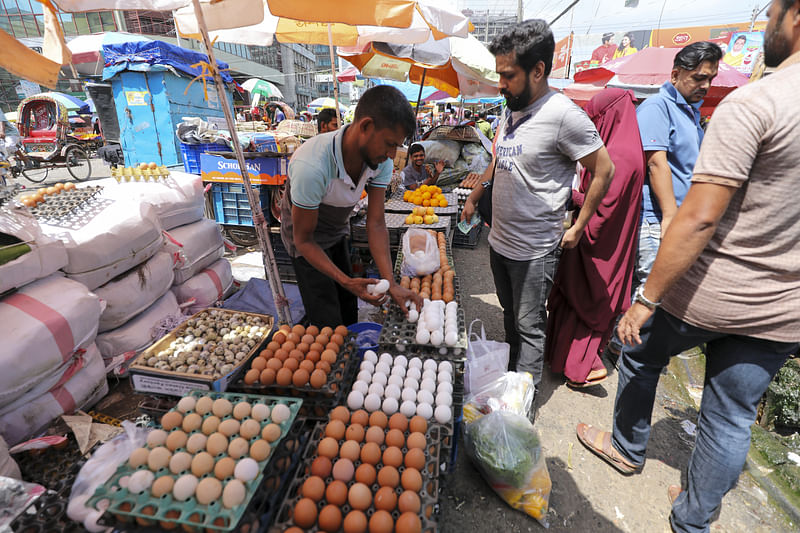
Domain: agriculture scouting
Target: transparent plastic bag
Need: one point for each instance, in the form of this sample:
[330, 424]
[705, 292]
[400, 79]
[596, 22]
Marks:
[420, 253]
[487, 360]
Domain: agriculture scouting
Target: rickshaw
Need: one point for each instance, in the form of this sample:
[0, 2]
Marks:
[47, 142]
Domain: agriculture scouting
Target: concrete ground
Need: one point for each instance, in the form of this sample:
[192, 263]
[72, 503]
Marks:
[100, 169]
[588, 495]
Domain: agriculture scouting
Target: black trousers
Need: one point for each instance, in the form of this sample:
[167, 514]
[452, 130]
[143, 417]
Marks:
[327, 303]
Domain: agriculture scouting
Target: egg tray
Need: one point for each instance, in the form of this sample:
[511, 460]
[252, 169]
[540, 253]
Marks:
[428, 494]
[280, 470]
[400, 335]
[56, 469]
[212, 517]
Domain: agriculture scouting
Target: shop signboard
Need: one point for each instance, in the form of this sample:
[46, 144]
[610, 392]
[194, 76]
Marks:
[262, 170]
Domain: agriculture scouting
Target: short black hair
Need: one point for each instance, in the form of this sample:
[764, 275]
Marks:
[387, 107]
[467, 114]
[740, 38]
[414, 148]
[531, 41]
[692, 56]
[607, 37]
[325, 116]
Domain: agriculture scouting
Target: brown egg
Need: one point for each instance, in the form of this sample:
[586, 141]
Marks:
[298, 329]
[336, 493]
[328, 447]
[416, 440]
[411, 479]
[330, 518]
[222, 407]
[216, 443]
[308, 339]
[375, 434]
[274, 346]
[325, 367]
[415, 458]
[286, 328]
[252, 375]
[308, 366]
[395, 437]
[360, 417]
[202, 464]
[229, 427]
[279, 337]
[355, 522]
[332, 346]
[341, 331]
[392, 456]
[366, 474]
[321, 466]
[281, 355]
[327, 330]
[318, 379]
[328, 356]
[284, 376]
[171, 420]
[341, 413]
[408, 523]
[323, 339]
[161, 486]
[316, 347]
[158, 458]
[313, 488]
[335, 429]
[359, 497]
[379, 419]
[271, 432]
[305, 513]
[418, 425]
[249, 429]
[224, 468]
[297, 355]
[138, 457]
[370, 453]
[343, 469]
[191, 422]
[313, 356]
[398, 421]
[337, 339]
[300, 377]
[275, 364]
[260, 449]
[388, 477]
[293, 337]
[386, 499]
[176, 439]
[355, 432]
[208, 490]
[267, 354]
[238, 448]
[350, 450]
[381, 522]
[51, 191]
[241, 410]
[267, 376]
[409, 502]
[292, 364]
[312, 330]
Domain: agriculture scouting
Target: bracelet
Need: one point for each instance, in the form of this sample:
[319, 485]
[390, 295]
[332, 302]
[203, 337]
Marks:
[486, 184]
[642, 299]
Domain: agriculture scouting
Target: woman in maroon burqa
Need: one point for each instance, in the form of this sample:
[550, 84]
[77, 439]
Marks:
[593, 282]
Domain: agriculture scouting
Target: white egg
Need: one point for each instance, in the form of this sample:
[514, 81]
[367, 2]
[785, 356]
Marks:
[186, 404]
[392, 391]
[367, 366]
[361, 386]
[140, 481]
[444, 387]
[371, 356]
[444, 398]
[421, 325]
[413, 372]
[444, 377]
[372, 402]
[423, 337]
[429, 374]
[355, 400]
[281, 413]
[379, 378]
[434, 322]
[375, 388]
[123, 481]
[415, 362]
[364, 376]
[425, 410]
[411, 383]
[387, 358]
[452, 305]
[428, 385]
[383, 368]
[389, 406]
[425, 396]
[408, 408]
[246, 469]
[451, 338]
[401, 360]
[443, 414]
[429, 364]
[395, 380]
[183, 489]
[259, 412]
[437, 337]
[156, 437]
[381, 287]
[398, 371]
[413, 316]
[408, 395]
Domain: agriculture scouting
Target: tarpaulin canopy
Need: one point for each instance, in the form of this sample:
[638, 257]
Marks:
[144, 55]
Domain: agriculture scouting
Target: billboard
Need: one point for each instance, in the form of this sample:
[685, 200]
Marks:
[743, 50]
[561, 56]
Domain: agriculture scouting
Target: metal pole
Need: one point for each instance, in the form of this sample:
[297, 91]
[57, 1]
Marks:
[520, 11]
[419, 98]
[564, 12]
[333, 71]
[262, 231]
[756, 13]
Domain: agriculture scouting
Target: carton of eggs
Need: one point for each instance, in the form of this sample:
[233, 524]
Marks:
[437, 323]
[398, 384]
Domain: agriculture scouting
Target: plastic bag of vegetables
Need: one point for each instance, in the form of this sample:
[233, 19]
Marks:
[504, 446]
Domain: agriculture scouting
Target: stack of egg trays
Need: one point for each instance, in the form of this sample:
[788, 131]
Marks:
[190, 514]
[55, 468]
[317, 403]
[428, 495]
[399, 335]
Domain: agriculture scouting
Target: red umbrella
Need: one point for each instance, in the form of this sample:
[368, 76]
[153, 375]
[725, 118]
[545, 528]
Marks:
[348, 74]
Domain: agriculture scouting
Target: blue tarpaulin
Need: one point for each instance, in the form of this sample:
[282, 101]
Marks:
[149, 55]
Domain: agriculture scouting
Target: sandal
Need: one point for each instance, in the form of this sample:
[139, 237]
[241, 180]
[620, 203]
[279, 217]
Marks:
[599, 443]
[595, 377]
[673, 491]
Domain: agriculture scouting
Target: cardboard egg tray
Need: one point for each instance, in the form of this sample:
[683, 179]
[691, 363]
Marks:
[428, 495]
[399, 335]
[128, 508]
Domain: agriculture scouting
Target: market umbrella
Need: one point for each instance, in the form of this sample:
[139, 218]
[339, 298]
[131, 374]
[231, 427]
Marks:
[89, 48]
[262, 87]
[318, 104]
[347, 75]
[73, 104]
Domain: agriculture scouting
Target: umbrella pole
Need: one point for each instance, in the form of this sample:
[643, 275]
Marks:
[262, 231]
[335, 81]
[419, 98]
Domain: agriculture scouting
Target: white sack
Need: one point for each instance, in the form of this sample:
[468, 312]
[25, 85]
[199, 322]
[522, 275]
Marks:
[42, 324]
[8, 466]
[80, 388]
[447, 151]
[194, 247]
[46, 256]
[140, 332]
[131, 293]
[206, 287]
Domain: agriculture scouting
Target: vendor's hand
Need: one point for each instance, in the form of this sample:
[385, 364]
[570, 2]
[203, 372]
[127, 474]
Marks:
[631, 322]
[571, 237]
[439, 166]
[469, 210]
[665, 222]
[358, 286]
[401, 295]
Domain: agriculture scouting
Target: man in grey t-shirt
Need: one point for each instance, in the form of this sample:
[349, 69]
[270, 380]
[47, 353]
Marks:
[540, 138]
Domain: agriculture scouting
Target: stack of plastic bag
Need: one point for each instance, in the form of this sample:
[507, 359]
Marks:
[502, 443]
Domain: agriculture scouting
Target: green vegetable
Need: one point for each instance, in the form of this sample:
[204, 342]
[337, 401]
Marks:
[505, 446]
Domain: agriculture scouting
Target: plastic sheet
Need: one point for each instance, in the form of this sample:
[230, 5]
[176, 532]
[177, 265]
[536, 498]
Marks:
[420, 253]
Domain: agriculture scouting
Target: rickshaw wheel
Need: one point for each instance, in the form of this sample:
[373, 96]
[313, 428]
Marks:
[79, 165]
[36, 174]
[242, 236]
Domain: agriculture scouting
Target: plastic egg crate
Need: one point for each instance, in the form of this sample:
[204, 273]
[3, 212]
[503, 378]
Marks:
[400, 335]
[127, 509]
[428, 494]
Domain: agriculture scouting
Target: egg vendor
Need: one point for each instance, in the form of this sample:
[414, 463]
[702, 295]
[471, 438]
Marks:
[327, 175]
[417, 172]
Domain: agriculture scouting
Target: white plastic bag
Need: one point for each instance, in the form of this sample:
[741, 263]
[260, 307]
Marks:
[443, 150]
[487, 360]
[420, 253]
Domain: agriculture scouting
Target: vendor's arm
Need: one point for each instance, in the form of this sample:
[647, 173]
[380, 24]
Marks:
[599, 164]
[661, 185]
[433, 176]
[471, 204]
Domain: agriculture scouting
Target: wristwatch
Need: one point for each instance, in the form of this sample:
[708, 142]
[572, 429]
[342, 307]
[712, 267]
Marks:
[486, 184]
[642, 299]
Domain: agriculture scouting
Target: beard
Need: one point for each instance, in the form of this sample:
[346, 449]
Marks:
[520, 101]
[372, 164]
[776, 46]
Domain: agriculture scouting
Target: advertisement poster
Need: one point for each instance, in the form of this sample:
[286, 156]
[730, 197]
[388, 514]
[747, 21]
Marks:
[593, 50]
[743, 50]
[561, 57]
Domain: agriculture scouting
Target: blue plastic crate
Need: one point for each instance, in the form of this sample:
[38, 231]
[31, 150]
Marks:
[191, 154]
[231, 205]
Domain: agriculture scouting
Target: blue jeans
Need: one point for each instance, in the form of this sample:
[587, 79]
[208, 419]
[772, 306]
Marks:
[522, 288]
[738, 371]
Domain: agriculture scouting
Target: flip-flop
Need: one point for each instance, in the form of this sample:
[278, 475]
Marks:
[673, 491]
[599, 443]
[591, 380]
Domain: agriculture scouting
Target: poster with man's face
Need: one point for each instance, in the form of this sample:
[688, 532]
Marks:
[743, 50]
